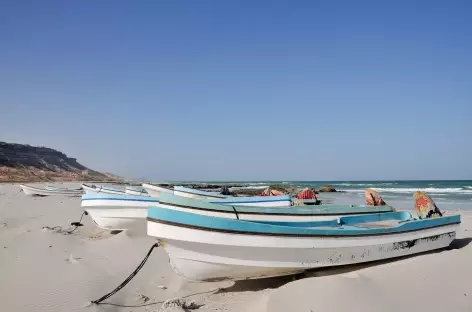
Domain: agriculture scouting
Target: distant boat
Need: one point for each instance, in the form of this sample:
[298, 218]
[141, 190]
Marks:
[136, 191]
[193, 193]
[94, 189]
[32, 191]
[155, 190]
[208, 248]
[263, 201]
[52, 187]
[229, 208]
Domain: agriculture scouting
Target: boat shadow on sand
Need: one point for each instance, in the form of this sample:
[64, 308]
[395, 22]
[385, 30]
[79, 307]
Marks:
[276, 282]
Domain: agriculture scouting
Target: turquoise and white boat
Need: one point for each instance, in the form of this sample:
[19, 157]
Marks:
[238, 208]
[208, 248]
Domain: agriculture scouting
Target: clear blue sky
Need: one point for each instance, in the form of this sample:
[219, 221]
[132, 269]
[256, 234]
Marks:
[218, 90]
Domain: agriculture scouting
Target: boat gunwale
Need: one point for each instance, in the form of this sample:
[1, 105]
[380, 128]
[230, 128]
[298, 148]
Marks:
[270, 213]
[228, 231]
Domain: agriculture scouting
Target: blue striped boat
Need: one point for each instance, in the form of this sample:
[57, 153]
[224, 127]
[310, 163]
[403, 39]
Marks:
[208, 248]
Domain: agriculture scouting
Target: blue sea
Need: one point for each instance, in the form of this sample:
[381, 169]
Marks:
[448, 194]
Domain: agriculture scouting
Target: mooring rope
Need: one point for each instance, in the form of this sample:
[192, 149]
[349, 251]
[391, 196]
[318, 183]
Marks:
[75, 226]
[126, 281]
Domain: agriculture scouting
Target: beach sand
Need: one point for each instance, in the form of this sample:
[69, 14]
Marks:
[42, 270]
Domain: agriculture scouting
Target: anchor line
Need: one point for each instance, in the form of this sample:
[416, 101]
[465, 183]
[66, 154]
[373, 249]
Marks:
[75, 226]
[127, 280]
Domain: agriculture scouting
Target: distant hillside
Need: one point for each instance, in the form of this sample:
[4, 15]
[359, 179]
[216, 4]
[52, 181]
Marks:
[26, 163]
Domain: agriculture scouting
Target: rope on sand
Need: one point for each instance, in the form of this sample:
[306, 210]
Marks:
[126, 281]
[75, 226]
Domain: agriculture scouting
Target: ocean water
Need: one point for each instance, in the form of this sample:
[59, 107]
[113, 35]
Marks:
[448, 194]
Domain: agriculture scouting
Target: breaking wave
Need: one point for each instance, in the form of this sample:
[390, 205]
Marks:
[457, 190]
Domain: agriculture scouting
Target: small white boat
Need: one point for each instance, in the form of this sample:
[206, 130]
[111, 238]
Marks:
[205, 248]
[96, 189]
[35, 191]
[136, 191]
[118, 212]
[193, 193]
[52, 187]
[155, 190]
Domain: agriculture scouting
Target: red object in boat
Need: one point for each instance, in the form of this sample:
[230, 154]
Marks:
[307, 193]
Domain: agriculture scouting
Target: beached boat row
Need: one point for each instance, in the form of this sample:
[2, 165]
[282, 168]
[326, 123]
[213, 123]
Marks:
[210, 236]
[85, 188]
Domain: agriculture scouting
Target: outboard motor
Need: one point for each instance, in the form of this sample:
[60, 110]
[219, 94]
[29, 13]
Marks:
[225, 190]
[425, 206]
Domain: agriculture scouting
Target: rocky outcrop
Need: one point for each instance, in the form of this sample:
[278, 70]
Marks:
[257, 191]
[26, 163]
[327, 189]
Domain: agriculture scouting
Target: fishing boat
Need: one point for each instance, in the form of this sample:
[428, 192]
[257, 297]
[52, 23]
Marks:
[126, 212]
[155, 190]
[52, 187]
[35, 191]
[94, 189]
[231, 209]
[207, 248]
[136, 191]
[278, 200]
[193, 193]
[118, 212]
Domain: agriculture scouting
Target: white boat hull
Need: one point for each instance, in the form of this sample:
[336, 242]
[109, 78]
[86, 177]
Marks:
[99, 190]
[155, 191]
[113, 215]
[33, 191]
[205, 255]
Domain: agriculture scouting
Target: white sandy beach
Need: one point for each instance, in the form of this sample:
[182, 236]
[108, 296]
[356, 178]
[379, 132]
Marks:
[42, 270]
